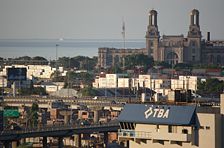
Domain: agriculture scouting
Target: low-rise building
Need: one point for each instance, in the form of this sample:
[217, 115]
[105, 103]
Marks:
[172, 126]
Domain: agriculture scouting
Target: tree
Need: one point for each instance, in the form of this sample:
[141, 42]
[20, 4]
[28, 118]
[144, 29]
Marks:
[79, 62]
[180, 66]
[85, 77]
[88, 91]
[115, 69]
[32, 116]
[163, 64]
[210, 87]
[139, 60]
[32, 91]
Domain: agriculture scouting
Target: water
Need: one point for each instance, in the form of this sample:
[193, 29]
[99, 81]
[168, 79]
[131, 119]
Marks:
[66, 47]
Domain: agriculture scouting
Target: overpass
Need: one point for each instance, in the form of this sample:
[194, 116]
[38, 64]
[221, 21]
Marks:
[61, 131]
[74, 102]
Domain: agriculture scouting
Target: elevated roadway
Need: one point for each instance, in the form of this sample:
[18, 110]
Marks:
[57, 131]
[74, 102]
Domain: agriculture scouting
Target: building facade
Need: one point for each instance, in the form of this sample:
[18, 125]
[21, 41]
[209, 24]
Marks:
[171, 126]
[175, 49]
[108, 57]
[172, 49]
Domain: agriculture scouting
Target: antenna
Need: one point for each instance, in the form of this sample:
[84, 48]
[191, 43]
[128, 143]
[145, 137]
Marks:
[123, 35]
[123, 31]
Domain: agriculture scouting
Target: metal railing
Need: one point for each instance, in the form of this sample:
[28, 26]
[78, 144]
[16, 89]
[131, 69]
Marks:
[49, 128]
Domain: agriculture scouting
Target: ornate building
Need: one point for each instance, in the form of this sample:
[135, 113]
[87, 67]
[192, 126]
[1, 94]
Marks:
[172, 49]
[178, 49]
[108, 57]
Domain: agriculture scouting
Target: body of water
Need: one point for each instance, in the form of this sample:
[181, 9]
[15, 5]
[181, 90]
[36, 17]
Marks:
[66, 47]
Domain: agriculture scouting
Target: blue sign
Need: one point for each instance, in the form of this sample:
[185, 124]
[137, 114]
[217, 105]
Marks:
[158, 114]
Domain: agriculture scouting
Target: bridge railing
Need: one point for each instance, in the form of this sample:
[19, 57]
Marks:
[56, 128]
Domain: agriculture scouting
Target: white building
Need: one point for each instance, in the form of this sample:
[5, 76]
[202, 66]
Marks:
[39, 71]
[111, 81]
[185, 83]
[51, 87]
[161, 86]
[3, 81]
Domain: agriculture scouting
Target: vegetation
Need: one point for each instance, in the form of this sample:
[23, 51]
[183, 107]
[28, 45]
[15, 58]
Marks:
[210, 87]
[79, 62]
[141, 60]
[88, 91]
[205, 66]
[180, 66]
[28, 60]
[85, 78]
[32, 91]
[115, 69]
[32, 115]
[163, 64]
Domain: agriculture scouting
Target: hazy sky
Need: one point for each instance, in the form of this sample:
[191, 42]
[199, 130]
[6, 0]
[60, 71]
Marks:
[99, 19]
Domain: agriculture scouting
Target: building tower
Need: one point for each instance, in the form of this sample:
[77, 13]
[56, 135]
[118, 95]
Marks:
[152, 36]
[194, 39]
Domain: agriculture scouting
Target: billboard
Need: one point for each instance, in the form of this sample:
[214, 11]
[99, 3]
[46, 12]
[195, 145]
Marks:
[16, 74]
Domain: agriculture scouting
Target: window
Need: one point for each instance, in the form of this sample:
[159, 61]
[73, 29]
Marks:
[193, 43]
[207, 127]
[169, 128]
[84, 113]
[185, 131]
[193, 50]
[151, 43]
[218, 59]
[193, 58]
[157, 128]
[202, 127]
[174, 129]
[151, 50]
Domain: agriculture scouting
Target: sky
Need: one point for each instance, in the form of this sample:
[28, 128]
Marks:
[102, 19]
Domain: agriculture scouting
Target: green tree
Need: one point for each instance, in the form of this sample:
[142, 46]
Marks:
[163, 64]
[32, 91]
[88, 91]
[84, 77]
[115, 69]
[180, 66]
[210, 87]
[141, 60]
[32, 115]
[79, 62]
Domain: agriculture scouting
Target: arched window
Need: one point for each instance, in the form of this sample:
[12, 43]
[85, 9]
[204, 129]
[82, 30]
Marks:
[219, 59]
[172, 58]
[193, 43]
[222, 60]
[211, 58]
